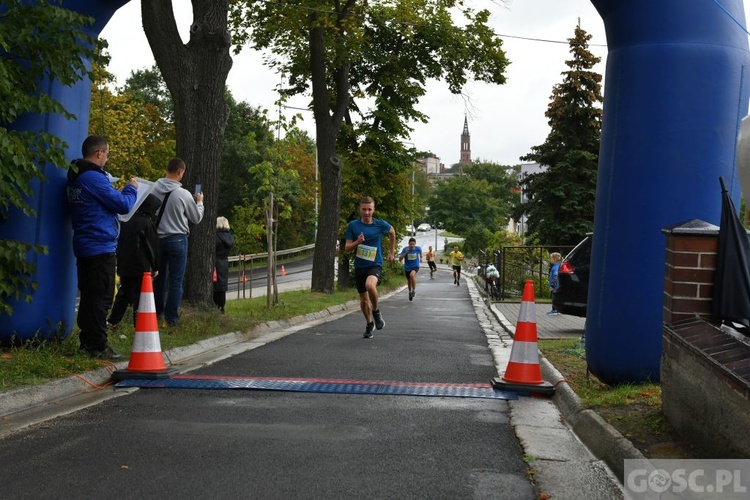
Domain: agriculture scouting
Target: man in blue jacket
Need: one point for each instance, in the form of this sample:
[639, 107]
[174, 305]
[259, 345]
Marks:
[94, 207]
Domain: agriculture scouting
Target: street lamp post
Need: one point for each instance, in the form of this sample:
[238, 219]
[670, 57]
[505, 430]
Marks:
[413, 200]
[436, 231]
[521, 229]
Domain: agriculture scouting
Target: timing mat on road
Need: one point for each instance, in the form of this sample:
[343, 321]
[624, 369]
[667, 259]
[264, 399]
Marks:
[484, 391]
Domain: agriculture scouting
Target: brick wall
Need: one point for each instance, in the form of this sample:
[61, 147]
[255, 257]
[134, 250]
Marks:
[705, 398]
[690, 265]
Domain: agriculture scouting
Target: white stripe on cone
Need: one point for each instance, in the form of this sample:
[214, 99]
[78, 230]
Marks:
[147, 304]
[527, 313]
[524, 352]
[146, 342]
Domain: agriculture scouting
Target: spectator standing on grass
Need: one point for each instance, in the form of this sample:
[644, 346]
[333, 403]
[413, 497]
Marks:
[224, 243]
[178, 208]
[137, 253]
[411, 255]
[94, 208]
[365, 236]
[554, 279]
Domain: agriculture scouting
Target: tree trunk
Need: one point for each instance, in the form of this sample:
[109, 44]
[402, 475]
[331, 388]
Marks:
[323, 271]
[271, 261]
[196, 75]
[343, 281]
[327, 127]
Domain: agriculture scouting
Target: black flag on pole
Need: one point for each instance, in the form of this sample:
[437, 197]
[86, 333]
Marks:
[731, 299]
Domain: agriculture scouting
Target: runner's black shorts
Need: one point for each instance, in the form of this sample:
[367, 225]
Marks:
[361, 274]
[407, 273]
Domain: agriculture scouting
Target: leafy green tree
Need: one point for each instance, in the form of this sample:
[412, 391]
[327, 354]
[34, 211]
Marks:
[503, 181]
[248, 226]
[461, 202]
[148, 87]
[379, 50]
[136, 122]
[28, 61]
[249, 143]
[288, 171]
[141, 140]
[561, 206]
[298, 153]
[476, 238]
[247, 138]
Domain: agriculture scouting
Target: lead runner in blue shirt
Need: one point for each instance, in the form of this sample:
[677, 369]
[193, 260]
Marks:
[366, 236]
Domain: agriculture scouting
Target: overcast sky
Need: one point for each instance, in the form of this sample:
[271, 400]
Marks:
[505, 121]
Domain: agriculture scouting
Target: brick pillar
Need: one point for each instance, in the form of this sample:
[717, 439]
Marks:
[690, 265]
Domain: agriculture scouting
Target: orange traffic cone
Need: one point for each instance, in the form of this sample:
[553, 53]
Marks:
[523, 372]
[146, 359]
[283, 271]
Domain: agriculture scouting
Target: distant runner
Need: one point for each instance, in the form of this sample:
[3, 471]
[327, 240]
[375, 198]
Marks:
[456, 258]
[412, 256]
[431, 261]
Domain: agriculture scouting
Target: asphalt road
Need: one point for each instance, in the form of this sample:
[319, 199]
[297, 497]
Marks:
[255, 283]
[426, 239]
[257, 444]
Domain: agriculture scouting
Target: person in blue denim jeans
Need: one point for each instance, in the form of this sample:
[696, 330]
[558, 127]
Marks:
[178, 209]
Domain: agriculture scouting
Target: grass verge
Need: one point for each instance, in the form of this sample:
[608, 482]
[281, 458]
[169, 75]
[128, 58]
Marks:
[633, 409]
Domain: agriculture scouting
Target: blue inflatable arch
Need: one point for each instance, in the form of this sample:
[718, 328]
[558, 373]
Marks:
[675, 93]
[676, 90]
[52, 312]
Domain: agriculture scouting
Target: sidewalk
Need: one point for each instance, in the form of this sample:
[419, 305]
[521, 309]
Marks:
[561, 326]
[428, 340]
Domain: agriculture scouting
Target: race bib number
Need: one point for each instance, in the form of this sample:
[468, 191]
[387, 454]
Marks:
[368, 253]
[411, 256]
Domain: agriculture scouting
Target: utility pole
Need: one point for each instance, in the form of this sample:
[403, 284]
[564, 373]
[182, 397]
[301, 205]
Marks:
[271, 265]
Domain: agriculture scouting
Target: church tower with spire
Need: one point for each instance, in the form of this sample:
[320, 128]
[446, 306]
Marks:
[465, 145]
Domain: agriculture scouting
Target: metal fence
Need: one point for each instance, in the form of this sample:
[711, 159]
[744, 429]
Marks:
[242, 266]
[517, 264]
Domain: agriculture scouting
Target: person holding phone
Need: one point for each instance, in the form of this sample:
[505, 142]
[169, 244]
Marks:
[178, 209]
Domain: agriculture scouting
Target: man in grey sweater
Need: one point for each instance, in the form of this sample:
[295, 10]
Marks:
[178, 208]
